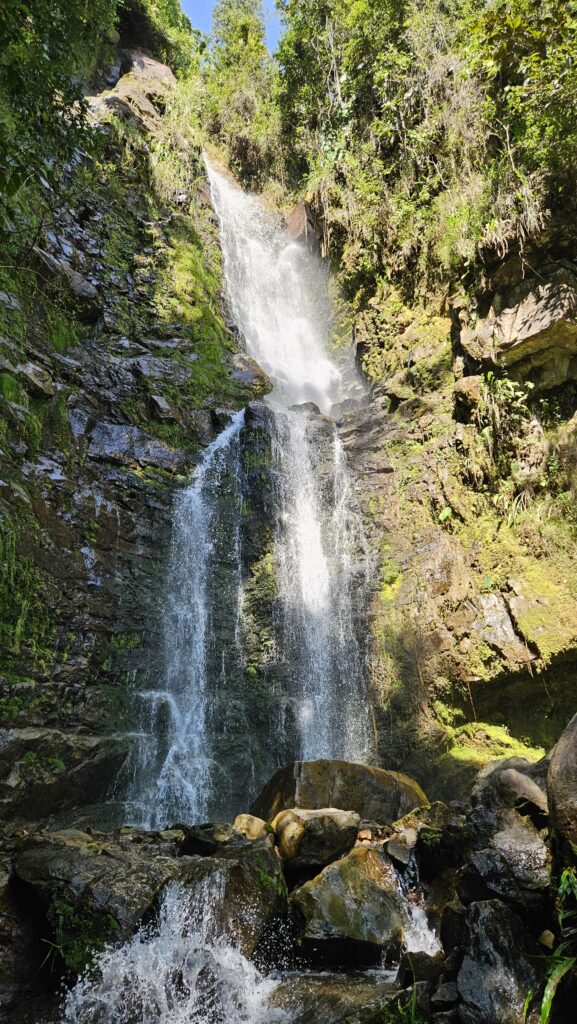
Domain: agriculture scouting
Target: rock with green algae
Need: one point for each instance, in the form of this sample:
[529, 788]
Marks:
[352, 911]
[44, 771]
[334, 997]
[92, 887]
[374, 793]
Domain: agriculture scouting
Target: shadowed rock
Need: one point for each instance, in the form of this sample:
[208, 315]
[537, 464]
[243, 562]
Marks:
[562, 784]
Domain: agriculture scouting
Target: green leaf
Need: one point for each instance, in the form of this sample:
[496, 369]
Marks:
[445, 514]
[558, 972]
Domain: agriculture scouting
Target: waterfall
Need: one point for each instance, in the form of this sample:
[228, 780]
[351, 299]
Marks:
[277, 295]
[180, 970]
[196, 758]
[174, 767]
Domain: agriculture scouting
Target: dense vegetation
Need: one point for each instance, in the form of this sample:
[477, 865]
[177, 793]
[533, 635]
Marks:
[49, 53]
[426, 135]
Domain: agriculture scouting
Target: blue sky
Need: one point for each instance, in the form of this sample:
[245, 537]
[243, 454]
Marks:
[200, 14]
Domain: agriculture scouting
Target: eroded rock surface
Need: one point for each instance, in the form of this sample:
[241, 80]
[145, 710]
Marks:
[308, 838]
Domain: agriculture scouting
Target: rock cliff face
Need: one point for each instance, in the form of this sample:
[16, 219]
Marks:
[465, 479]
[114, 357]
[116, 366]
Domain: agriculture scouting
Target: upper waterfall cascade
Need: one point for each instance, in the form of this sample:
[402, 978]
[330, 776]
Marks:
[277, 296]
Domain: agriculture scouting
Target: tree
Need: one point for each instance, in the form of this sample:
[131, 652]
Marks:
[241, 108]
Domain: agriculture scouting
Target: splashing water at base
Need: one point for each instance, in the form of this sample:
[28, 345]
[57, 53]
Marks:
[179, 972]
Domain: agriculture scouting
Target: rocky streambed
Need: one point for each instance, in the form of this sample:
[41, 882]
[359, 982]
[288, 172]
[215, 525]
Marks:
[341, 896]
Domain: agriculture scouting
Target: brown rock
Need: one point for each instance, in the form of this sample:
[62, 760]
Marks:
[374, 793]
[315, 838]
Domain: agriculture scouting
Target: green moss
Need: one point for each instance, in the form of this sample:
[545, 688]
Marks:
[126, 641]
[547, 613]
[480, 743]
[11, 390]
[79, 934]
[27, 602]
[63, 330]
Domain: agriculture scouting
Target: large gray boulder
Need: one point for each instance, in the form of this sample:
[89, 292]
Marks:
[352, 911]
[499, 968]
[93, 889]
[375, 794]
[515, 866]
[562, 784]
[43, 771]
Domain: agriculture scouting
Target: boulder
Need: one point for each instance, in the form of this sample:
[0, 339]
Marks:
[93, 889]
[436, 815]
[400, 846]
[516, 867]
[445, 996]
[247, 889]
[47, 770]
[562, 784]
[130, 446]
[419, 966]
[377, 795]
[161, 409]
[531, 327]
[352, 911]
[247, 371]
[308, 838]
[251, 827]
[36, 380]
[468, 392]
[83, 291]
[206, 840]
[521, 791]
[21, 953]
[301, 226]
[499, 968]
[333, 997]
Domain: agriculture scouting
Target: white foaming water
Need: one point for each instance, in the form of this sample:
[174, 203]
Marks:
[181, 971]
[174, 765]
[278, 298]
[419, 936]
[316, 537]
